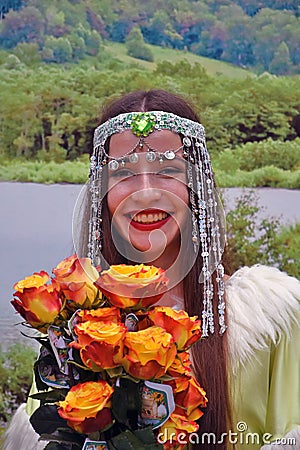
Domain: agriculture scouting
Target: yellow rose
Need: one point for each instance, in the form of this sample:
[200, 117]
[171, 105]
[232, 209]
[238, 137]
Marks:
[38, 279]
[87, 406]
[189, 399]
[38, 303]
[100, 344]
[184, 329]
[100, 315]
[148, 353]
[176, 431]
[181, 366]
[76, 277]
[132, 286]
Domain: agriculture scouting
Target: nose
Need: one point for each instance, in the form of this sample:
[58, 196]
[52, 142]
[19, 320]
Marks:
[146, 191]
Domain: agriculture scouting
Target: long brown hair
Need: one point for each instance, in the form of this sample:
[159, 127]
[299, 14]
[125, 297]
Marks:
[210, 354]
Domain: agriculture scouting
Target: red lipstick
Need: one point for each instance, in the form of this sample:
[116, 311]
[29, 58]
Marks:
[149, 226]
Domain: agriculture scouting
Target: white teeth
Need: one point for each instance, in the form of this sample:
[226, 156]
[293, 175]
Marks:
[149, 218]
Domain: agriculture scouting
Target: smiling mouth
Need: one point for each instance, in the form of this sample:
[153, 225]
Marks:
[149, 217]
[148, 220]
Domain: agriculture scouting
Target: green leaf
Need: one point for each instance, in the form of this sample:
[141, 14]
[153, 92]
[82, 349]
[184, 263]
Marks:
[115, 372]
[147, 436]
[56, 446]
[65, 437]
[127, 395]
[43, 341]
[126, 441]
[52, 396]
[143, 439]
[46, 419]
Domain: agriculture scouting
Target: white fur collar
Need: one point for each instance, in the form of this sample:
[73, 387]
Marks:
[20, 435]
[262, 303]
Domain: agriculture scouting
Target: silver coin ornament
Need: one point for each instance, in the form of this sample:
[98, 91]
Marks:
[133, 158]
[150, 156]
[169, 154]
[186, 141]
[113, 165]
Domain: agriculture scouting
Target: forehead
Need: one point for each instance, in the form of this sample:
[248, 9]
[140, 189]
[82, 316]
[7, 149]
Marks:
[161, 140]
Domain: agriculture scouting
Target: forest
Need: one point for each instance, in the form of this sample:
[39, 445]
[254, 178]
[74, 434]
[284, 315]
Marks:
[263, 36]
[48, 113]
[60, 62]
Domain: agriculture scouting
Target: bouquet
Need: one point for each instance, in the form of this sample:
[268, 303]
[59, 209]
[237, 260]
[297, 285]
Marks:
[113, 371]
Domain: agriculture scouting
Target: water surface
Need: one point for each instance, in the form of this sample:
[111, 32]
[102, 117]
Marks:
[36, 232]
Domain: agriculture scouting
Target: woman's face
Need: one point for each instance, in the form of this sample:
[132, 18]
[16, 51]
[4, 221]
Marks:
[148, 201]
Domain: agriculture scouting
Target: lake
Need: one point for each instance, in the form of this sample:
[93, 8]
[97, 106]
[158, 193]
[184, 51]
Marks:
[36, 233]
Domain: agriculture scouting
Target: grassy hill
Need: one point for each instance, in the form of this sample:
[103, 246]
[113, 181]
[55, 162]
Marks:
[48, 112]
[212, 66]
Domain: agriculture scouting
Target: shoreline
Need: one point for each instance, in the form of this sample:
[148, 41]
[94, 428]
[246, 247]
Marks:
[36, 231]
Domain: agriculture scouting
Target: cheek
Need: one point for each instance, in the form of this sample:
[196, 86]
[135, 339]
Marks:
[185, 197]
[179, 194]
[183, 193]
[182, 204]
[113, 201]
[116, 198]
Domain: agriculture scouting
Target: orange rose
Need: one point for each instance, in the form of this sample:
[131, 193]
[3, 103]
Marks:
[87, 407]
[181, 365]
[132, 286]
[189, 397]
[175, 432]
[76, 277]
[148, 353]
[184, 329]
[100, 344]
[37, 302]
[100, 315]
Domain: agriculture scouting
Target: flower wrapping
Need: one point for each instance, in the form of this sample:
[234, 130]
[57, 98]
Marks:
[112, 366]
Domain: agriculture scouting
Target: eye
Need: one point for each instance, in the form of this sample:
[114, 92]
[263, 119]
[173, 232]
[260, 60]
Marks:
[170, 172]
[121, 174]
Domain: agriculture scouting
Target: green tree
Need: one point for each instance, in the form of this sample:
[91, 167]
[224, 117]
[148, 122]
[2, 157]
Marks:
[78, 46]
[268, 26]
[238, 45]
[12, 62]
[61, 48]
[55, 22]
[281, 62]
[16, 377]
[212, 42]
[93, 42]
[28, 53]
[96, 22]
[254, 240]
[160, 30]
[249, 239]
[6, 5]
[136, 46]
[25, 25]
[293, 41]
[92, 39]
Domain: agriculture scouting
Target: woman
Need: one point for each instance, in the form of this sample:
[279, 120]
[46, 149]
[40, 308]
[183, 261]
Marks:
[152, 199]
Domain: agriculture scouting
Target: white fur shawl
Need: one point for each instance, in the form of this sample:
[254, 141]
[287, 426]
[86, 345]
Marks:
[20, 434]
[262, 303]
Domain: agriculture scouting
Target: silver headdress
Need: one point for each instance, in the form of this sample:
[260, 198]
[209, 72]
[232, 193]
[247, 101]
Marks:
[207, 224]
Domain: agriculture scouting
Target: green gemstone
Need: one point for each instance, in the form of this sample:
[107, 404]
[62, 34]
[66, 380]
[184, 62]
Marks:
[143, 124]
